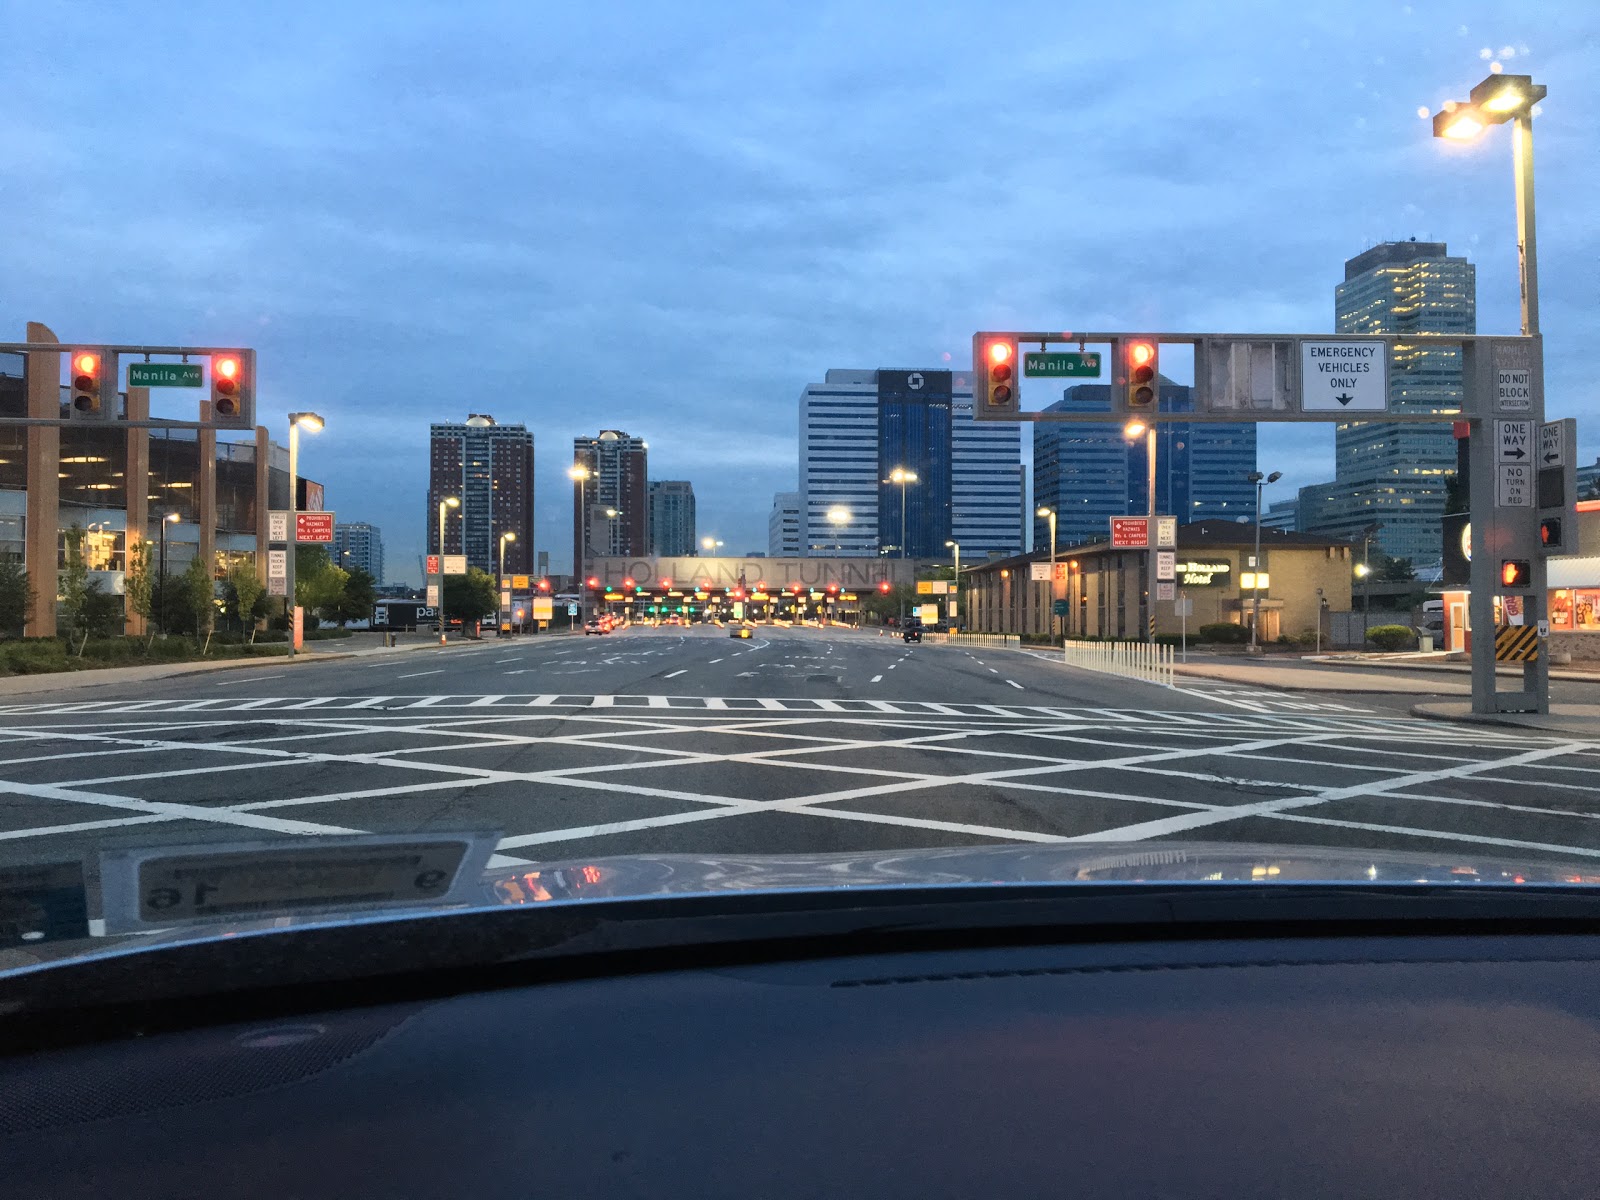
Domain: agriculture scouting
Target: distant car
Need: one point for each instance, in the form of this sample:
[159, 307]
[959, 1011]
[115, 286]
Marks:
[594, 627]
[913, 632]
[739, 631]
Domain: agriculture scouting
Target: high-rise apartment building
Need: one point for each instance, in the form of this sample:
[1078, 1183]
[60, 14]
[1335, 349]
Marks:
[611, 503]
[488, 468]
[857, 428]
[358, 544]
[783, 525]
[672, 518]
[1387, 476]
[1090, 472]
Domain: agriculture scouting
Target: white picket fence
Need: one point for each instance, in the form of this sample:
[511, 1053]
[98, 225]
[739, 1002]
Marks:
[1132, 660]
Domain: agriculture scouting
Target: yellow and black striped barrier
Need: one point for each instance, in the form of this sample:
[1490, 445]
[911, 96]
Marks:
[1516, 643]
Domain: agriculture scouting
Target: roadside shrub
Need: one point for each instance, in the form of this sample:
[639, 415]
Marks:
[1306, 637]
[34, 657]
[1391, 637]
[1225, 632]
[1170, 639]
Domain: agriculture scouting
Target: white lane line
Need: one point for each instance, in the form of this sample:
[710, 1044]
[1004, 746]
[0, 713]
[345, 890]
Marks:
[992, 671]
[192, 812]
[250, 679]
[714, 660]
[419, 674]
[498, 661]
[877, 679]
[1016, 685]
[675, 674]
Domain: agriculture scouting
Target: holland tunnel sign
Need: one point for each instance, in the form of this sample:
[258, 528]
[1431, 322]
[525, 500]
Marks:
[848, 573]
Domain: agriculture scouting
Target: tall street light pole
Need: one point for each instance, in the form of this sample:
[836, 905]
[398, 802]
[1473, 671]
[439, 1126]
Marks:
[1132, 431]
[580, 539]
[448, 502]
[960, 612]
[311, 423]
[1260, 480]
[839, 517]
[165, 521]
[1050, 515]
[499, 582]
[903, 477]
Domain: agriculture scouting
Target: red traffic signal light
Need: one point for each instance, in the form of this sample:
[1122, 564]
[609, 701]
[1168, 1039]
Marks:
[593, 582]
[544, 585]
[1515, 573]
[1142, 363]
[230, 389]
[884, 587]
[1550, 534]
[833, 587]
[994, 360]
[88, 391]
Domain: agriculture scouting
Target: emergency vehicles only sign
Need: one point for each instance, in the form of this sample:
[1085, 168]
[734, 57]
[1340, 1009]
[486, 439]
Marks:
[1344, 375]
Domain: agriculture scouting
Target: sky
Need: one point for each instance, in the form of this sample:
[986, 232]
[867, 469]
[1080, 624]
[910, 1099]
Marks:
[669, 218]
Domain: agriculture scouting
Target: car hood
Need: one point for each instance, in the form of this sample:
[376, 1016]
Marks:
[637, 876]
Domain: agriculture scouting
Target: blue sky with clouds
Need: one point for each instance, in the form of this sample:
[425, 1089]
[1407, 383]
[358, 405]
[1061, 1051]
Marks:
[668, 218]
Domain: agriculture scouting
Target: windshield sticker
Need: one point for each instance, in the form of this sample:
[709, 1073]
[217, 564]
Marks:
[158, 887]
[45, 902]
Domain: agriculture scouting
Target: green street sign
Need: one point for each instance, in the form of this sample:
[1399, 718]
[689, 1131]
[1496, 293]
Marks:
[1061, 608]
[1062, 364]
[163, 374]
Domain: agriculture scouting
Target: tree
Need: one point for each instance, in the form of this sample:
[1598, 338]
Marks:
[1395, 570]
[16, 598]
[355, 604]
[198, 604]
[74, 585]
[318, 584]
[138, 582]
[242, 593]
[468, 597]
[101, 612]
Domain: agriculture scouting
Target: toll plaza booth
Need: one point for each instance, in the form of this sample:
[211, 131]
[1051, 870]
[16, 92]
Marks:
[662, 602]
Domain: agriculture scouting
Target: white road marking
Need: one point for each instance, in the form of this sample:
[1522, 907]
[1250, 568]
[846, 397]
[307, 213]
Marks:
[675, 674]
[249, 679]
[498, 661]
[1016, 685]
[714, 660]
[419, 674]
[877, 679]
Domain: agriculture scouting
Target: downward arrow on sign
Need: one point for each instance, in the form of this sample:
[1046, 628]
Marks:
[1344, 397]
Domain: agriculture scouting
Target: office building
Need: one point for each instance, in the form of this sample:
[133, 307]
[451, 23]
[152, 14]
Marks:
[671, 517]
[1389, 477]
[358, 544]
[783, 525]
[1588, 481]
[488, 467]
[858, 427]
[1282, 514]
[611, 503]
[1089, 472]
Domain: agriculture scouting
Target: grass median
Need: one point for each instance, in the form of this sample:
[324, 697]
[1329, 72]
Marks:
[44, 656]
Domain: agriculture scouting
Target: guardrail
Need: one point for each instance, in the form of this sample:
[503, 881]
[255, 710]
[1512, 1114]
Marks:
[1146, 661]
[1001, 640]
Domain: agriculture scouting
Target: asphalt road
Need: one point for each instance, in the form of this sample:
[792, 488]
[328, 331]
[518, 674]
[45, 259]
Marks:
[687, 740]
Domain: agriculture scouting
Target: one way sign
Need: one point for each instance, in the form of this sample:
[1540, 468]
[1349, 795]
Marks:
[1513, 441]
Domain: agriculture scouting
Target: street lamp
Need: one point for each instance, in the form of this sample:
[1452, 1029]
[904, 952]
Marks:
[1498, 99]
[1362, 571]
[902, 476]
[1050, 515]
[1260, 480]
[838, 517]
[311, 423]
[580, 540]
[448, 502]
[165, 521]
[959, 613]
[711, 543]
[1132, 431]
[499, 581]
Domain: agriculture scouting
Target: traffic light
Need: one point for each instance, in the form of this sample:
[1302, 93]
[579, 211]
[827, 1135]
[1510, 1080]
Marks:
[593, 582]
[544, 585]
[1515, 573]
[1141, 363]
[884, 587]
[94, 385]
[233, 404]
[994, 360]
[1550, 534]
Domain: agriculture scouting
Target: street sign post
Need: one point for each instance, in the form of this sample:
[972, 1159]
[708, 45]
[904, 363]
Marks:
[277, 525]
[164, 375]
[1130, 532]
[1340, 375]
[433, 565]
[1061, 364]
[455, 564]
[277, 572]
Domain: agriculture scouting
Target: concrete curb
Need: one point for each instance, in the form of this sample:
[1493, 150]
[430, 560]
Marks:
[1527, 721]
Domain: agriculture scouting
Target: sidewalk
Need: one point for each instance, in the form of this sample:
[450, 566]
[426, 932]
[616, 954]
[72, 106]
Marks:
[1282, 678]
[61, 681]
[1438, 662]
[1577, 720]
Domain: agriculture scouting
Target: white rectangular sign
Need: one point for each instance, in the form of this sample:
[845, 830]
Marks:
[928, 613]
[1513, 390]
[277, 572]
[1344, 375]
[1552, 446]
[1183, 607]
[455, 564]
[1166, 566]
[433, 595]
[1166, 530]
[277, 526]
[1513, 485]
[1513, 441]
[1165, 589]
[1039, 572]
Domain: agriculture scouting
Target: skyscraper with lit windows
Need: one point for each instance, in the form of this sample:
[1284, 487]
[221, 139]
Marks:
[1391, 476]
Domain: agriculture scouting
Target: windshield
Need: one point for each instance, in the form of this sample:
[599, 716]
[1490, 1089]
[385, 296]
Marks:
[472, 458]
